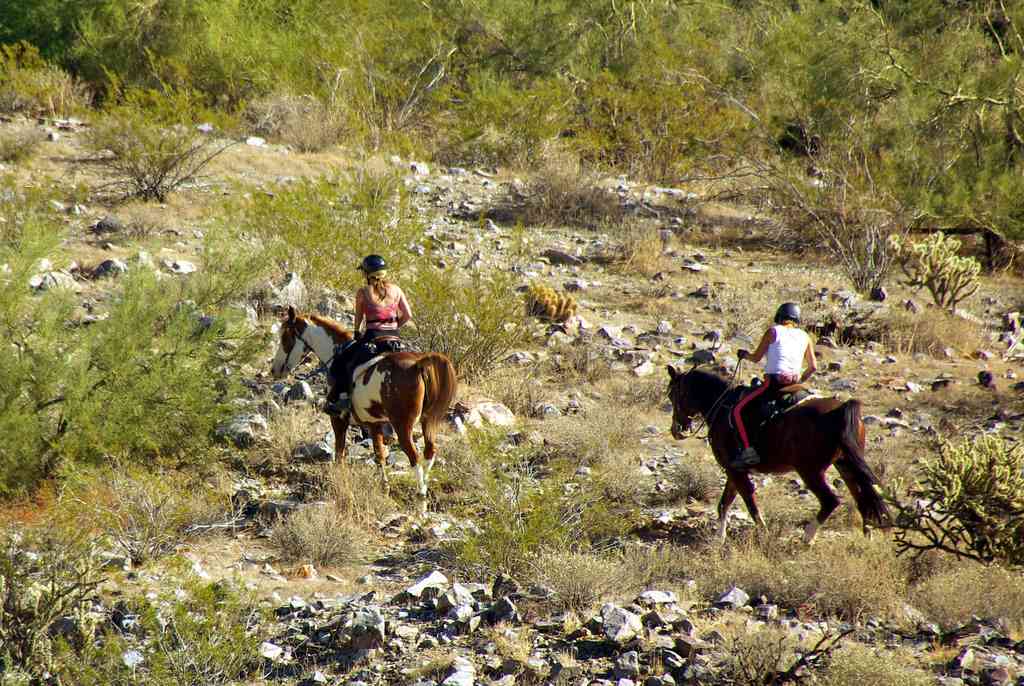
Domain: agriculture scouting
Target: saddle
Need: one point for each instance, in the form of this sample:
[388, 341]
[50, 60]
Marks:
[770, 407]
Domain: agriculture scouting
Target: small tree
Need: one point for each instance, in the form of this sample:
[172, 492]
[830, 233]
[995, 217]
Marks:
[968, 502]
[935, 264]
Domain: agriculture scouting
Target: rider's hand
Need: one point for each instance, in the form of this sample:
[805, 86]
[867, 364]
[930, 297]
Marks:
[743, 354]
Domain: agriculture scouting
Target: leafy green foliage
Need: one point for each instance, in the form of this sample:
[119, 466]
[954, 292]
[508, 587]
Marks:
[146, 381]
[31, 85]
[969, 501]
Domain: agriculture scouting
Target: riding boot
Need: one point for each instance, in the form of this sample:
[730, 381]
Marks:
[338, 399]
[745, 458]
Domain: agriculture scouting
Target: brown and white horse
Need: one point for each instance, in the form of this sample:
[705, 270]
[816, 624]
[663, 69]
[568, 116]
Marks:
[400, 388]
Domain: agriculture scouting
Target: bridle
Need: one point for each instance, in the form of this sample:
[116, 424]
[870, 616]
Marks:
[707, 419]
[307, 349]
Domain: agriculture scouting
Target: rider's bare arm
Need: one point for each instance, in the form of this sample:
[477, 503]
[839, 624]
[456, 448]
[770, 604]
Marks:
[360, 306]
[766, 340]
[404, 311]
[810, 362]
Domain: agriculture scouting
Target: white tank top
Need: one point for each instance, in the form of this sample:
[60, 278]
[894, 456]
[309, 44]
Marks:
[786, 354]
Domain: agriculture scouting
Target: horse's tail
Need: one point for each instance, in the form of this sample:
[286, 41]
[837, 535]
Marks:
[439, 386]
[855, 469]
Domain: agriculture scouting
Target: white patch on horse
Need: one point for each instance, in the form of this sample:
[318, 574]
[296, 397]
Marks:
[364, 395]
[421, 480]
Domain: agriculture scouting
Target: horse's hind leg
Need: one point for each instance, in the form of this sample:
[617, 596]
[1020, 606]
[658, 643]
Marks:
[340, 427]
[429, 449]
[745, 486]
[728, 495]
[828, 499]
[380, 452]
[404, 431]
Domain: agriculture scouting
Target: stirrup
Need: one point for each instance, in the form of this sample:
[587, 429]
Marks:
[745, 459]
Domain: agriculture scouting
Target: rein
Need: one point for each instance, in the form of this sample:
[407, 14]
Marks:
[708, 419]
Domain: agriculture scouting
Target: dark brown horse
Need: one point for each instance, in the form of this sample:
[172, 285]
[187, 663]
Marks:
[807, 439]
[400, 388]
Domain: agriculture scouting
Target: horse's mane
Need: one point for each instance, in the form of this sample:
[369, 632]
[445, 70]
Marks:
[336, 330]
[706, 383]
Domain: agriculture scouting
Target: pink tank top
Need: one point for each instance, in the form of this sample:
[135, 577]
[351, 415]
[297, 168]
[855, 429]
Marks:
[381, 316]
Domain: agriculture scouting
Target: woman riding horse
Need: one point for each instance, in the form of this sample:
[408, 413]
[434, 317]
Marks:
[790, 361]
[382, 305]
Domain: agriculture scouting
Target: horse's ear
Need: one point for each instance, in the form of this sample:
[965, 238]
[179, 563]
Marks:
[672, 372]
[291, 314]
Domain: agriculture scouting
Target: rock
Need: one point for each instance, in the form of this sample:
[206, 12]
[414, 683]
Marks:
[504, 586]
[434, 581]
[546, 411]
[367, 630]
[702, 357]
[494, 414]
[914, 387]
[843, 385]
[320, 451]
[301, 392]
[419, 168]
[734, 598]
[986, 379]
[132, 659]
[620, 625]
[456, 596]
[767, 612]
[657, 598]
[575, 285]
[911, 306]
[1012, 321]
[559, 257]
[271, 651]
[879, 294]
[51, 280]
[644, 369]
[628, 665]
[244, 429]
[291, 292]
[984, 355]
[503, 610]
[463, 673]
[109, 224]
[109, 268]
[702, 292]
[256, 141]
[144, 259]
[179, 267]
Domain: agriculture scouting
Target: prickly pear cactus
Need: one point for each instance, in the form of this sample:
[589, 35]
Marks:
[545, 302]
[935, 264]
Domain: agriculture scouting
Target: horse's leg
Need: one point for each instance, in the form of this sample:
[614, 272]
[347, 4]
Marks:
[380, 452]
[828, 499]
[728, 495]
[340, 427]
[429, 449]
[746, 490]
[404, 431]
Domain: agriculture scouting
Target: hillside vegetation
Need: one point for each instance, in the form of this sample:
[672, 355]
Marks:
[913, 107]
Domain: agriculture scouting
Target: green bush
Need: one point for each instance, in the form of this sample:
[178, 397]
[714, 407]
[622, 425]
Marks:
[19, 146]
[935, 264]
[968, 501]
[31, 85]
[203, 634]
[147, 382]
[43, 578]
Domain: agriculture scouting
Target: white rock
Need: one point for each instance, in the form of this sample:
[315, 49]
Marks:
[433, 580]
[132, 659]
[255, 141]
[271, 651]
[491, 413]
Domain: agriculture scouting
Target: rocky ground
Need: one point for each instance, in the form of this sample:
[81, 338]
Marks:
[409, 614]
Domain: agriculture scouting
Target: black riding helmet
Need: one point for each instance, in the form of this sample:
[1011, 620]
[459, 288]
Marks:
[372, 263]
[787, 312]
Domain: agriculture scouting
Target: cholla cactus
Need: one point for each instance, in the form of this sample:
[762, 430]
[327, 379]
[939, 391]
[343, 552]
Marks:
[969, 502]
[543, 301]
[935, 264]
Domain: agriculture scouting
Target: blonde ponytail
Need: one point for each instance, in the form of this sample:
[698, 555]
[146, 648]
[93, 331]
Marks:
[379, 284]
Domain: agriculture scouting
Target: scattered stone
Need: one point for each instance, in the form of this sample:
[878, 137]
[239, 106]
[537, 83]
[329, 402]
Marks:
[419, 168]
[657, 598]
[52, 280]
[911, 307]
[109, 224]
[702, 357]
[628, 665]
[560, 257]
[503, 610]
[243, 430]
[271, 651]
[109, 268]
[300, 392]
[644, 369]
[179, 267]
[620, 625]
[132, 659]
[463, 673]
[702, 292]
[434, 581]
[984, 355]
[494, 414]
[546, 411]
[734, 598]
[256, 141]
[986, 379]
[367, 630]
[879, 294]
[292, 292]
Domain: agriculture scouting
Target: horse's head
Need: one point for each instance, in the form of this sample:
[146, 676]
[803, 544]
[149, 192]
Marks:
[292, 347]
[684, 409]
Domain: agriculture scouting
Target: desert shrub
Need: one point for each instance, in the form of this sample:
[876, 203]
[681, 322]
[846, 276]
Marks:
[843, 577]
[320, 535]
[952, 596]
[930, 332]
[322, 228]
[475, 320]
[149, 159]
[968, 501]
[760, 657]
[196, 635]
[641, 250]
[854, 664]
[43, 578]
[303, 122]
[597, 436]
[697, 479]
[935, 264]
[561, 193]
[145, 514]
[147, 381]
[547, 303]
[655, 565]
[18, 146]
[579, 581]
[30, 84]
[357, 493]
[584, 361]
[519, 389]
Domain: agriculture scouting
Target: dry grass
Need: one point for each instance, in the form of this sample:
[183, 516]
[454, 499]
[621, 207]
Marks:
[658, 565]
[594, 437]
[296, 424]
[931, 332]
[699, 479]
[358, 494]
[319, 534]
[859, 665]
[951, 597]
[520, 390]
[302, 122]
[583, 362]
[846, 577]
[19, 145]
[580, 581]
[561, 193]
[641, 251]
[513, 644]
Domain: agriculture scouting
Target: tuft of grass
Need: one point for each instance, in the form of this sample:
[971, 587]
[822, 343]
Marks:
[951, 597]
[580, 581]
[858, 665]
[930, 332]
[562, 193]
[697, 479]
[319, 534]
[302, 122]
[641, 251]
[19, 145]
[358, 494]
